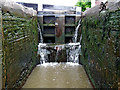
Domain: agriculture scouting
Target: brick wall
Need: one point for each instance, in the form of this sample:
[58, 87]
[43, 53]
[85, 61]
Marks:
[19, 49]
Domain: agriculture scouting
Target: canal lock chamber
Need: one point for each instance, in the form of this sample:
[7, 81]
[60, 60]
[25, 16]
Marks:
[100, 54]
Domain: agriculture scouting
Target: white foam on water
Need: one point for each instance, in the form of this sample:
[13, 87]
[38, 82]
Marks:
[72, 64]
[48, 64]
[73, 51]
[42, 44]
[55, 63]
[73, 43]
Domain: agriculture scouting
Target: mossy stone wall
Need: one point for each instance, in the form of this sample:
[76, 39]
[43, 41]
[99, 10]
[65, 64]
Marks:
[0, 51]
[101, 48]
[20, 40]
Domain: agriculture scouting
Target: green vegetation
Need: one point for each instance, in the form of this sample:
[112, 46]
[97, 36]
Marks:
[84, 4]
[100, 59]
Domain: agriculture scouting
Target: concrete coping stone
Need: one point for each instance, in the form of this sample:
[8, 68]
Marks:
[17, 9]
[111, 6]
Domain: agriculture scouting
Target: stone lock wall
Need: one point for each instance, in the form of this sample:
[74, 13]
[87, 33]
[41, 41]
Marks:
[19, 49]
[0, 51]
[101, 48]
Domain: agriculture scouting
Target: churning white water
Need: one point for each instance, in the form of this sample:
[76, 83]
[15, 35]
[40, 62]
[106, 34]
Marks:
[73, 51]
[43, 52]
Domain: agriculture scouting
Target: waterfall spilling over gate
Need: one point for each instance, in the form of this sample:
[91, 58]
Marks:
[71, 52]
[68, 52]
[76, 31]
[40, 32]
